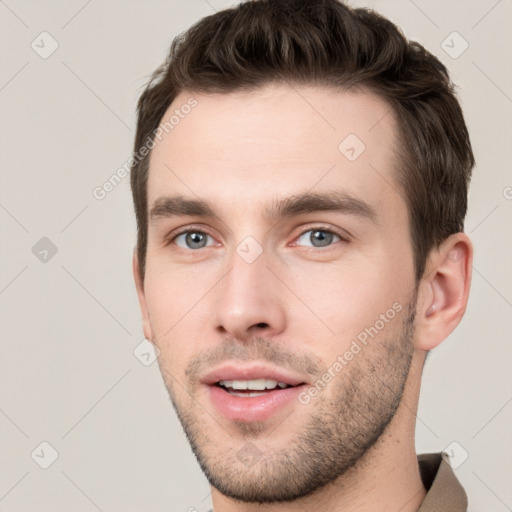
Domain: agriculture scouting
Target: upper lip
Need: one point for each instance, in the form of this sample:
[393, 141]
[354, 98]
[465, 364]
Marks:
[234, 371]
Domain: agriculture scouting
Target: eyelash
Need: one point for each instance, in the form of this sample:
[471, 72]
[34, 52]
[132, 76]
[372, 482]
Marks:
[191, 229]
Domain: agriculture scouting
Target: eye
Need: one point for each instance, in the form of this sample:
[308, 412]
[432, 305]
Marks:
[193, 239]
[318, 238]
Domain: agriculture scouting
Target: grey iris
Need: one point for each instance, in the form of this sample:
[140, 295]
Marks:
[196, 240]
[324, 238]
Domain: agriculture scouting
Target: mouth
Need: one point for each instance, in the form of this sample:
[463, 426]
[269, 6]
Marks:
[253, 393]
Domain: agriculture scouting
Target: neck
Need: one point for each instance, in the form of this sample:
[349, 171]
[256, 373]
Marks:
[385, 479]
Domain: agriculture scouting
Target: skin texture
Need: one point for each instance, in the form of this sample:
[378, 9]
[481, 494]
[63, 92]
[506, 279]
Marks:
[296, 306]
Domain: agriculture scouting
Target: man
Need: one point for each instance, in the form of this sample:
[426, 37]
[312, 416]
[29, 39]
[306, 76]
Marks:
[300, 184]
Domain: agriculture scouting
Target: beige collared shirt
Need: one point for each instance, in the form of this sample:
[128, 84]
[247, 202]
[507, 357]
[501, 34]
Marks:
[444, 491]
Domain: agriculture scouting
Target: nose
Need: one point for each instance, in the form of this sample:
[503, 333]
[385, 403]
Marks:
[249, 301]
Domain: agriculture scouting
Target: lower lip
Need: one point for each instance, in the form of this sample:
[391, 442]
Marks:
[256, 408]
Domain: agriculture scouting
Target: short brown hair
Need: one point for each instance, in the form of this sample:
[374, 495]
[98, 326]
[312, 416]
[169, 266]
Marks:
[326, 43]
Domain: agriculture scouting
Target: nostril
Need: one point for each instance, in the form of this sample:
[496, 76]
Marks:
[262, 324]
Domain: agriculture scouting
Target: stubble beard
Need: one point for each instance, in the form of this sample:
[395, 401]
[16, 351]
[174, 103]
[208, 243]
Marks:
[341, 427]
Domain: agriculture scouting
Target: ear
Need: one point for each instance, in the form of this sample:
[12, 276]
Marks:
[148, 333]
[443, 291]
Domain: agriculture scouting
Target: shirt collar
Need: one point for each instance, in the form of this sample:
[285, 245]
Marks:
[444, 492]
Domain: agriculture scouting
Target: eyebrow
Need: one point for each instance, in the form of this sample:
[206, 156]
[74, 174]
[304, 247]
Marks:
[278, 209]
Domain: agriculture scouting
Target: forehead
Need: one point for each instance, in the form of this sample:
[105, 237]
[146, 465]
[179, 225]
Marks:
[275, 141]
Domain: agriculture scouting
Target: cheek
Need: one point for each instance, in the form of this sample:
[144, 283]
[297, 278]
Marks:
[176, 298]
[350, 295]
[169, 296]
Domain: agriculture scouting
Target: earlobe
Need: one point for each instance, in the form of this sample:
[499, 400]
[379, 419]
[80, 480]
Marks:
[443, 291]
[148, 333]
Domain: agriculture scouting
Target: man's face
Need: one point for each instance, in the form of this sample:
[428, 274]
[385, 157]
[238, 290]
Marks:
[287, 291]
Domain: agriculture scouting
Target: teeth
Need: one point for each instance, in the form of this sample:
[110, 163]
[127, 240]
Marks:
[256, 385]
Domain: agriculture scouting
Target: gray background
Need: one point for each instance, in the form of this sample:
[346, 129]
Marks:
[70, 321]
